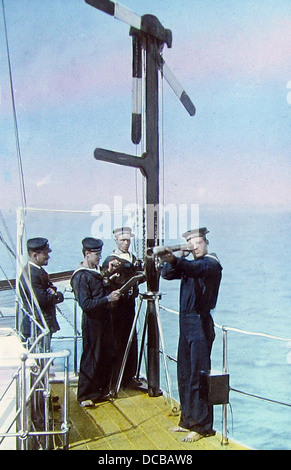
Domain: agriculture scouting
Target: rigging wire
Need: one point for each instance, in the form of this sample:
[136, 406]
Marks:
[250, 333]
[246, 333]
[163, 156]
[231, 328]
[7, 232]
[259, 397]
[140, 149]
[7, 246]
[16, 131]
[11, 249]
[143, 141]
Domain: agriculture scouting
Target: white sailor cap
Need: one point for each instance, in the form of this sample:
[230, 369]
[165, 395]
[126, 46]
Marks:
[126, 232]
[197, 232]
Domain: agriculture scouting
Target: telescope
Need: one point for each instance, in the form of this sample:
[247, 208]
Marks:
[163, 250]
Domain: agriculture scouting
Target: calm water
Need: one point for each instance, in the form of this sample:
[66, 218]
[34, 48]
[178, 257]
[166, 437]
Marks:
[255, 251]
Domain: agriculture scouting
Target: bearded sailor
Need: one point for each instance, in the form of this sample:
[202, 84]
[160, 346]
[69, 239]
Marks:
[38, 292]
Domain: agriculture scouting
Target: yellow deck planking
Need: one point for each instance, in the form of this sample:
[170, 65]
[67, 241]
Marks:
[133, 421]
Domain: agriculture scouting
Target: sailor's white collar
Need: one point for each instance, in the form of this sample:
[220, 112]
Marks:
[95, 270]
[123, 255]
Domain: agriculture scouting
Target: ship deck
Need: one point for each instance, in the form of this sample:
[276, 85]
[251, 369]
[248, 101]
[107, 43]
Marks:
[134, 421]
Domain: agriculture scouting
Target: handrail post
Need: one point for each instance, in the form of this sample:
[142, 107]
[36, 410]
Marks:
[225, 370]
[23, 406]
[46, 397]
[65, 424]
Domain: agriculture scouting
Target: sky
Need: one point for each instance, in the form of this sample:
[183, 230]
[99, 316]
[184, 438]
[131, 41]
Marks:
[71, 71]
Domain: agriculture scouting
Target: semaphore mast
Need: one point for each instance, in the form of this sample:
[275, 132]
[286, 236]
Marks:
[148, 34]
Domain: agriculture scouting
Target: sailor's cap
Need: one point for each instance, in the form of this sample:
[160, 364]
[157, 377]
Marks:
[38, 244]
[92, 244]
[197, 232]
[126, 232]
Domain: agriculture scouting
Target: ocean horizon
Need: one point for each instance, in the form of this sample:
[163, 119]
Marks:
[254, 297]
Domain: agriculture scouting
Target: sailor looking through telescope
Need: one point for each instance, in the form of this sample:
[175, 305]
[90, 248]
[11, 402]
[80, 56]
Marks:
[200, 280]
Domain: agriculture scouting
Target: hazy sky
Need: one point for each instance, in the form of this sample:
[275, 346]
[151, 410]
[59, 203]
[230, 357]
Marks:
[71, 69]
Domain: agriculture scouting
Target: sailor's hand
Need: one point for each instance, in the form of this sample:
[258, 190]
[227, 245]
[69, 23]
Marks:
[113, 266]
[51, 290]
[168, 257]
[59, 296]
[114, 296]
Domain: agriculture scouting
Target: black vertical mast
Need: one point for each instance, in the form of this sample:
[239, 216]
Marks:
[149, 166]
[152, 36]
[152, 212]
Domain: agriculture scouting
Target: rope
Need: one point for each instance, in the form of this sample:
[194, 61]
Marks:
[13, 249]
[7, 246]
[68, 320]
[260, 398]
[238, 330]
[251, 333]
[69, 211]
[169, 310]
[163, 228]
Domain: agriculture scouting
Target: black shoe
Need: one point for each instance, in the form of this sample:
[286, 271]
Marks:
[134, 383]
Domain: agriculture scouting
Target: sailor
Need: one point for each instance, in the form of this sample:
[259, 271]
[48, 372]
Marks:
[46, 294]
[200, 280]
[91, 293]
[124, 311]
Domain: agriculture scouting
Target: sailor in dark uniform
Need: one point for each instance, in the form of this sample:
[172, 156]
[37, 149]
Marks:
[200, 280]
[90, 290]
[46, 295]
[124, 311]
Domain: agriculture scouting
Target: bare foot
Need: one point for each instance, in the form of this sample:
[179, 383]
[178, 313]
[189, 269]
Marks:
[87, 404]
[178, 429]
[192, 437]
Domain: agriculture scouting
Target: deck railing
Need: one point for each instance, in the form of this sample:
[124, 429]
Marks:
[73, 321]
[225, 329]
[33, 399]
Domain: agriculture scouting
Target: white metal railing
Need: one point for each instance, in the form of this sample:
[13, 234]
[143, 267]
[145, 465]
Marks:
[77, 336]
[32, 382]
[225, 329]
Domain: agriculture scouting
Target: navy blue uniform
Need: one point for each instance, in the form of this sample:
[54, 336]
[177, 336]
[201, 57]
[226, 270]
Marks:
[200, 280]
[41, 285]
[97, 359]
[123, 313]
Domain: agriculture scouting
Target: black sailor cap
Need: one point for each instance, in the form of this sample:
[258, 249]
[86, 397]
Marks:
[38, 244]
[92, 244]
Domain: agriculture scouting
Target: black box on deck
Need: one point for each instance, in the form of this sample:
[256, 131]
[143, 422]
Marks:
[214, 388]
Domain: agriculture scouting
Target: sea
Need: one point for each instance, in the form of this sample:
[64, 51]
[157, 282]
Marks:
[255, 298]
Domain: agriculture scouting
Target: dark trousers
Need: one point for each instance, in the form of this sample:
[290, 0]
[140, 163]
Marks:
[97, 359]
[195, 343]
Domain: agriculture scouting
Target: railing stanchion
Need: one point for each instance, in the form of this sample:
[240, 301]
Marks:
[225, 370]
